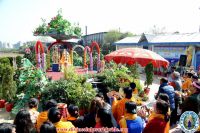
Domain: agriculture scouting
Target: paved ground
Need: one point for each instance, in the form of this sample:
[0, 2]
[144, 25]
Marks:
[4, 116]
[154, 89]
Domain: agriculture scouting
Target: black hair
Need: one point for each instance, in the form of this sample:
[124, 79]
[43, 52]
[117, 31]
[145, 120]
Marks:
[23, 122]
[33, 103]
[164, 80]
[163, 108]
[73, 110]
[47, 127]
[132, 85]
[189, 74]
[95, 105]
[195, 77]
[173, 67]
[6, 127]
[54, 115]
[105, 117]
[100, 94]
[128, 92]
[131, 107]
[164, 97]
[50, 104]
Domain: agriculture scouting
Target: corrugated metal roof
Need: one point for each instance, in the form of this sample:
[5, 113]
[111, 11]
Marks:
[192, 37]
[183, 39]
[131, 40]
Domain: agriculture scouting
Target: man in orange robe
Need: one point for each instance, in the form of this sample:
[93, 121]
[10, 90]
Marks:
[42, 117]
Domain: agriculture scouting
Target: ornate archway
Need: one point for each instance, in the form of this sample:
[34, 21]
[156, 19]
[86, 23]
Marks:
[39, 49]
[86, 49]
[95, 44]
[76, 46]
[69, 46]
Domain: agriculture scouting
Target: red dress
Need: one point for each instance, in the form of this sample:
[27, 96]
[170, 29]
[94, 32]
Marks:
[157, 125]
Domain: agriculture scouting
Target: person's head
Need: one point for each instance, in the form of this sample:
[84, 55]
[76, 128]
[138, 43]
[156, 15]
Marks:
[54, 115]
[23, 122]
[189, 75]
[33, 103]
[73, 110]
[47, 127]
[173, 68]
[175, 75]
[167, 74]
[50, 104]
[131, 107]
[104, 117]
[195, 78]
[163, 97]
[95, 104]
[7, 128]
[162, 107]
[128, 92]
[100, 94]
[132, 85]
[163, 80]
[195, 87]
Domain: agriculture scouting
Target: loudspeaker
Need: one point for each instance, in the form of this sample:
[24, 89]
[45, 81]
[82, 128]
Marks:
[183, 60]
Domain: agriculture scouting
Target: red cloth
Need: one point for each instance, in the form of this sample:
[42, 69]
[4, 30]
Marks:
[156, 125]
[98, 125]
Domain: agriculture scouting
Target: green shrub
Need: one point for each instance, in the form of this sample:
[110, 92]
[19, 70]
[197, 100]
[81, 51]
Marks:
[19, 61]
[149, 74]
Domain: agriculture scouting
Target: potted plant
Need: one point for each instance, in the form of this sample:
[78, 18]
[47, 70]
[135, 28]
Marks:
[9, 106]
[149, 77]
[2, 103]
[145, 98]
[141, 94]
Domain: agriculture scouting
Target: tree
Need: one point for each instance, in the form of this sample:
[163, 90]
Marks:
[149, 74]
[111, 37]
[126, 34]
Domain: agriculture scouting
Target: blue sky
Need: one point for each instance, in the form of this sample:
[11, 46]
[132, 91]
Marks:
[18, 18]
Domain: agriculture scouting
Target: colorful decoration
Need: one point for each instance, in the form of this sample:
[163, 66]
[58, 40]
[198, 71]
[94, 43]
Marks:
[65, 60]
[27, 51]
[58, 26]
[87, 49]
[55, 56]
[40, 59]
[95, 44]
[189, 53]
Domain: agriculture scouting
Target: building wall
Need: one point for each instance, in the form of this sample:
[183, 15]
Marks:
[171, 53]
[127, 46]
[98, 37]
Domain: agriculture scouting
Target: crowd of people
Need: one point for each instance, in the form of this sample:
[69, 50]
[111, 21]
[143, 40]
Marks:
[112, 112]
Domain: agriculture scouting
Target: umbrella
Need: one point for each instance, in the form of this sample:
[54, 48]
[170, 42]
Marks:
[141, 56]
